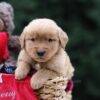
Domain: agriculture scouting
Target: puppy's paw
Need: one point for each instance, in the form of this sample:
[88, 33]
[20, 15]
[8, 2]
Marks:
[36, 84]
[20, 74]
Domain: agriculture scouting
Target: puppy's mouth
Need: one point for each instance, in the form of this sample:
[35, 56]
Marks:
[40, 59]
[40, 56]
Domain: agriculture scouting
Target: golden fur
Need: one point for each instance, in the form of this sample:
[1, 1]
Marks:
[43, 43]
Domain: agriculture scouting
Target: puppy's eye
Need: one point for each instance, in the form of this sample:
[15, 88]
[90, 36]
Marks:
[50, 40]
[32, 39]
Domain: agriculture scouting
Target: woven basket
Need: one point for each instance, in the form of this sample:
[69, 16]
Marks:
[54, 90]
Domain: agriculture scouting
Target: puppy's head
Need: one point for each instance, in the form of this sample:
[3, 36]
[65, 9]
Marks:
[42, 39]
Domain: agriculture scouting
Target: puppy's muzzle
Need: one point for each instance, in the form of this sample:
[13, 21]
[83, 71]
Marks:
[40, 53]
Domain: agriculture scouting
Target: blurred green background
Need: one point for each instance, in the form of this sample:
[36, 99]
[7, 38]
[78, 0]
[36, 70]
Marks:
[81, 20]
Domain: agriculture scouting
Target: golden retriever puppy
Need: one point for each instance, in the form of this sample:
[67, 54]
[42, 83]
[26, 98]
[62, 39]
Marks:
[43, 43]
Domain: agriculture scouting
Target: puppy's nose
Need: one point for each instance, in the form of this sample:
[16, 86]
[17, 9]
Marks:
[40, 53]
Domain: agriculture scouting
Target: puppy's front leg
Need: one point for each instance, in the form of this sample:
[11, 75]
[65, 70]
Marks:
[23, 65]
[40, 77]
[22, 70]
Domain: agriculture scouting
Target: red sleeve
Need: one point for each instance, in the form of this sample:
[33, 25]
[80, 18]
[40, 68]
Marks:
[3, 46]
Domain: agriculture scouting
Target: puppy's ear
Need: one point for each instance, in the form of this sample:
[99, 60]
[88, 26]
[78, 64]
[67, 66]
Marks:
[22, 38]
[62, 37]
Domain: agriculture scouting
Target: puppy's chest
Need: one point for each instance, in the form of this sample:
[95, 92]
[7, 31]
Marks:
[36, 66]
